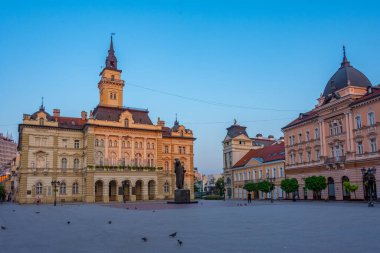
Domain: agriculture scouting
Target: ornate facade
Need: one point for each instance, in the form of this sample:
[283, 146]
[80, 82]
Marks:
[339, 137]
[236, 145]
[115, 154]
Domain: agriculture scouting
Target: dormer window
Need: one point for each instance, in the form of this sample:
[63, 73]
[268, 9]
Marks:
[41, 121]
[113, 78]
[126, 122]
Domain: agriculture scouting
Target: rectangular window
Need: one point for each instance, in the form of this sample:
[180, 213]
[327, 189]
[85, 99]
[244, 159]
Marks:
[373, 145]
[358, 121]
[281, 172]
[166, 149]
[301, 157]
[300, 137]
[360, 147]
[371, 119]
[308, 156]
[316, 133]
[274, 173]
[318, 154]
[76, 144]
[64, 143]
[308, 136]
[260, 174]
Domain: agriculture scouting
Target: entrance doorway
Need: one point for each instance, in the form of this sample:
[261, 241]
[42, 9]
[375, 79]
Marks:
[331, 188]
[112, 193]
[98, 191]
[138, 189]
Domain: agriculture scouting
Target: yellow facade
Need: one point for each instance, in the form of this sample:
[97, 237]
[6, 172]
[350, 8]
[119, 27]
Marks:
[115, 154]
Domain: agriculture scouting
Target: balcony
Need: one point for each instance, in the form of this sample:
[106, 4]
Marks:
[335, 160]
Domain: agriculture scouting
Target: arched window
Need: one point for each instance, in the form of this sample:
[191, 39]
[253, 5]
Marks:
[99, 158]
[136, 144]
[41, 121]
[64, 163]
[102, 143]
[128, 144]
[115, 143]
[123, 144]
[150, 160]
[126, 121]
[371, 119]
[109, 143]
[76, 163]
[62, 188]
[126, 159]
[148, 145]
[96, 142]
[166, 166]
[113, 158]
[140, 145]
[358, 121]
[138, 159]
[75, 188]
[152, 145]
[166, 187]
[39, 188]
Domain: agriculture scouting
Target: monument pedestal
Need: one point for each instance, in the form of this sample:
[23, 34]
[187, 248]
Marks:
[182, 197]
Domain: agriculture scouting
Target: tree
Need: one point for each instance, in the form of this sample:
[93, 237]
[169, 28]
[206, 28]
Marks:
[219, 185]
[264, 186]
[316, 184]
[350, 187]
[2, 192]
[289, 185]
[250, 187]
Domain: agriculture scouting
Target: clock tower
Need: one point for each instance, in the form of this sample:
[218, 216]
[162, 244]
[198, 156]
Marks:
[111, 85]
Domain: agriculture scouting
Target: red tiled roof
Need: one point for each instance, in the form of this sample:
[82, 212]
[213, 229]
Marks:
[302, 118]
[266, 154]
[70, 122]
[375, 93]
[139, 116]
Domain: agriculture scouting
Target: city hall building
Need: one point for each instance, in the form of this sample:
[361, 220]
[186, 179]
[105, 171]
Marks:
[115, 153]
[338, 138]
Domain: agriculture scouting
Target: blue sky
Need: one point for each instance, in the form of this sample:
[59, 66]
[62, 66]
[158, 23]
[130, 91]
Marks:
[258, 54]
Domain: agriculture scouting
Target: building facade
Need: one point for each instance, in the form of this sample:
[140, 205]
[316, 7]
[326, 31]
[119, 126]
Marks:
[8, 150]
[115, 154]
[237, 144]
[267, 163]
[339, 137]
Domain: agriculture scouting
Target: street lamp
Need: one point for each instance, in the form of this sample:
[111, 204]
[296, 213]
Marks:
[271, 180]
[55, 183]
[368, 178]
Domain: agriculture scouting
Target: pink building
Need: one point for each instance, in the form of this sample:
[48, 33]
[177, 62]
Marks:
[8, 150]
[338, 138]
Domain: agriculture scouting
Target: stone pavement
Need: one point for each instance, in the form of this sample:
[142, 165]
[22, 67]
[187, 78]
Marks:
[210, 226]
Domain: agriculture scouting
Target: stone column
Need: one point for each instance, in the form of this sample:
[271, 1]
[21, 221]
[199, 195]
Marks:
[119, 198]
[144, 191]
[106, 197]
[106, 148]
[145, 159]
[132, 156]
[348, 132]
[119, 146]
[351, 123]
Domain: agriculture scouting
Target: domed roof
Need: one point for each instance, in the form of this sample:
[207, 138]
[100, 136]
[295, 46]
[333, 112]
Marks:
[346, 76]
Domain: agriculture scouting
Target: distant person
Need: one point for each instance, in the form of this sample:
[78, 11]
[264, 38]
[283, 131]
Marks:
[38, 199]
[249, 197]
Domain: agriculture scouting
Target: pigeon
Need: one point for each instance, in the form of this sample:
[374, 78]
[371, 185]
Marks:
[144, 239]
[37, 212]
[135, 208]
[13, 210]
[68, 222]
[127, 208]
[173, 235]
[154, 211]
[180, 242]
[109, 222]
[3, 228]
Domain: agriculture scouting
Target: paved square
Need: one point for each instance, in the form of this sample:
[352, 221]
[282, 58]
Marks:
[210, 226]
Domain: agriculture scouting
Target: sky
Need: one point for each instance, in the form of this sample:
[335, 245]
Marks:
[259, 62]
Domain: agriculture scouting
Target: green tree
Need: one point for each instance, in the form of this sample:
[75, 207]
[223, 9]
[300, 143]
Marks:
[250, 187]
[289, 185]
[350, 187]
[316, 184]
[2, 192]
[196, 186]
[219, 185]
[264, 186]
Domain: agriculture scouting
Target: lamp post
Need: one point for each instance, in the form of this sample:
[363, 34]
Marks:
[55, 183]
[368, 178]
[270, 180]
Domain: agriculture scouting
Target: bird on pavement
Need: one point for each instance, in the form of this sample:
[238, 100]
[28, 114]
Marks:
[3, 228]
[173, 235]
[109, 222]
[37, 212]
[68, 222]
[13, 210]
[144, 239]
[180, 242]
[135, 208]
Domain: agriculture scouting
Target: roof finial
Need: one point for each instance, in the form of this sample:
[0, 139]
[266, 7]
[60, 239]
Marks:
[345, 62]
[235, 121]
[42, 107]
[176, 120]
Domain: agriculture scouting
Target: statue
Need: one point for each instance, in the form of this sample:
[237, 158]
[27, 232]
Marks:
[179, 174]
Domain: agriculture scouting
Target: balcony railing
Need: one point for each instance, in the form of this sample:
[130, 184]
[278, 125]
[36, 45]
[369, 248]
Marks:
[334, 160]
[122, 168]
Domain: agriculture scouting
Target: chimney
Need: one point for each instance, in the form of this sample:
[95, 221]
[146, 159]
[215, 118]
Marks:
[56, 113]
[160, 122]
[83, 115]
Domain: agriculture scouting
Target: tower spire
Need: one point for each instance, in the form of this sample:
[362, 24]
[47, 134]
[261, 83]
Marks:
[111, 61]
[42, 107]
[345, 62]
